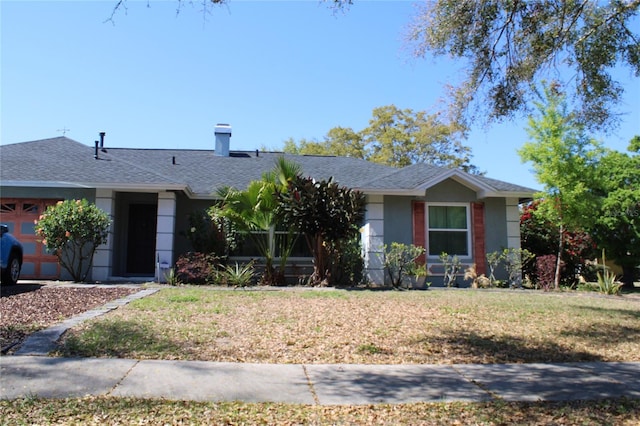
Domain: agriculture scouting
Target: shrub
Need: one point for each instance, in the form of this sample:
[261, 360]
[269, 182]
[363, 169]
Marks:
[237, 275]
[493, 260]
[347, 264]
[73, 229]
[196, 268]
[325, 213]
[546, 271]
[452, 266]
[607, 280]
[171, 278]
[400, 261]
[515, 260]
[477, 281]
[541, 237]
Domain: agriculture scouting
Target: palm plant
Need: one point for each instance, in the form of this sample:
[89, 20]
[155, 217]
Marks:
[253, 211]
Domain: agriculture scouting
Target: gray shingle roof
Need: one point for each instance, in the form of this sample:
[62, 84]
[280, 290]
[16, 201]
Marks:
[417, 175]
[63, 161]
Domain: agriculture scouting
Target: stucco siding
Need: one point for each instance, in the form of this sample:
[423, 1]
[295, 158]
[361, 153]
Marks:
[450, 191]
[397, 224]
[496, 225]
[184, 207]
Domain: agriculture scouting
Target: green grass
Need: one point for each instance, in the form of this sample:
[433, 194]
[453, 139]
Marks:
[105, 410]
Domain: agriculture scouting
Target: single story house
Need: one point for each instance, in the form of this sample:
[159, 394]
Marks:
[149, 194]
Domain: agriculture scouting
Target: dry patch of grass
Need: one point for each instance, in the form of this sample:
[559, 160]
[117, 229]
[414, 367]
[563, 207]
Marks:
[103, 410]
[337, 326]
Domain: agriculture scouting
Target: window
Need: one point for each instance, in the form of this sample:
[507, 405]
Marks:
[448, 229]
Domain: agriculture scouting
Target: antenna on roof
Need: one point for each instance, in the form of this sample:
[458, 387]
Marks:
[64, 130]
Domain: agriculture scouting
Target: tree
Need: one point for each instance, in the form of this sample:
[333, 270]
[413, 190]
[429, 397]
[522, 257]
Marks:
[206, 5]
[509, 45]
[395, 137]
[327, 214]
[540, 236]
[339, 141]
[617, 227]
[253, 211]
[564, 160]
[73, 230]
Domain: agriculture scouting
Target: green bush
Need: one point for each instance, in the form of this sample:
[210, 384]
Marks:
[452, 267]
[73, 230]
[607, 280]
[237, 275]
[400, 261]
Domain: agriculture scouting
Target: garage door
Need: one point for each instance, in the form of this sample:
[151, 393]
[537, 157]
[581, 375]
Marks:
[20, 215]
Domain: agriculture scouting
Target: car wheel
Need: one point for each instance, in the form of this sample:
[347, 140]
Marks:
[12, 273]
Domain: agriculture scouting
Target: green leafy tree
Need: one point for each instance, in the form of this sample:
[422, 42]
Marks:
[400, 137]
[617, 227]
[510, 45]
[253, 213]
[564, 160]
[326, 214]
[540, 236]
[396, 137]
[339, 141]
[73, 230]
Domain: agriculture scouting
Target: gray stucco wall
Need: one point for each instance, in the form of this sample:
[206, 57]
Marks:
[398, 212]
[398, 224]
[495, 216]
[450, 191]
[184, 207]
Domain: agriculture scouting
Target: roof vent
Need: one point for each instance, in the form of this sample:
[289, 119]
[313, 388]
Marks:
[223, 136]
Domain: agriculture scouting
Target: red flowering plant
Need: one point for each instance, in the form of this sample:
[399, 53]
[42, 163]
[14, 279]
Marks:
[541, 237]
[72, 230]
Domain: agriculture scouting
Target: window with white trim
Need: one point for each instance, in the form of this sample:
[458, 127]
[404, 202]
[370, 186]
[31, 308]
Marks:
[448, 229]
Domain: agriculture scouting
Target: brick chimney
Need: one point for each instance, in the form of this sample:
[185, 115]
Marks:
[223, 136]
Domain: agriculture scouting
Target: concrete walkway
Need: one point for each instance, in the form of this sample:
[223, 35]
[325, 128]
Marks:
[326, 384]
[31, 373]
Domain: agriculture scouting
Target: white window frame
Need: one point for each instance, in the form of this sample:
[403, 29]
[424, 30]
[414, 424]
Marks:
[468, 229]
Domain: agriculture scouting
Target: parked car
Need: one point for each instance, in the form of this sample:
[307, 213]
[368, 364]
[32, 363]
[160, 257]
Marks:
[10, 257]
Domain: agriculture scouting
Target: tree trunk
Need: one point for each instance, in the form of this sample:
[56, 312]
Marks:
[320, 276]
[556, 280]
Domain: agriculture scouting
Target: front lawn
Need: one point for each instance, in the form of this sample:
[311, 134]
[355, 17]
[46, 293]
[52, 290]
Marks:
[102, 410]
[375, 327]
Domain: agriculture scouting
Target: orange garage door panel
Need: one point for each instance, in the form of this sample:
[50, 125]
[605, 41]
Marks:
[20, 215]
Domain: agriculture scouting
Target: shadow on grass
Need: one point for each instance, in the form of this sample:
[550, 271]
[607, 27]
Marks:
[633, 313]
[12, 290]
[605, 334]
[471, 347]
[115, 338]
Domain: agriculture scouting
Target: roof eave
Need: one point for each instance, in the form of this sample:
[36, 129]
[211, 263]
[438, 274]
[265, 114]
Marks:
[102, 185]
[505, 194]
[406, 192]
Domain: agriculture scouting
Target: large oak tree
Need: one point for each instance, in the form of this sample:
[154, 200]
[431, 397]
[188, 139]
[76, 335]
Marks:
[396, 137]
[508, 46]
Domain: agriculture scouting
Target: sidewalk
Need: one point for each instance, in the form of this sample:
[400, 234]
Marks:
[31, 373]
[24, 376]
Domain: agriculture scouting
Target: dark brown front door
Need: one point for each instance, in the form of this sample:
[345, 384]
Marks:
[141, 239]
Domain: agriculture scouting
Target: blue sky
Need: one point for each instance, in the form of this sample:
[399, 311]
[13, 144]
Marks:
[272, 70]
